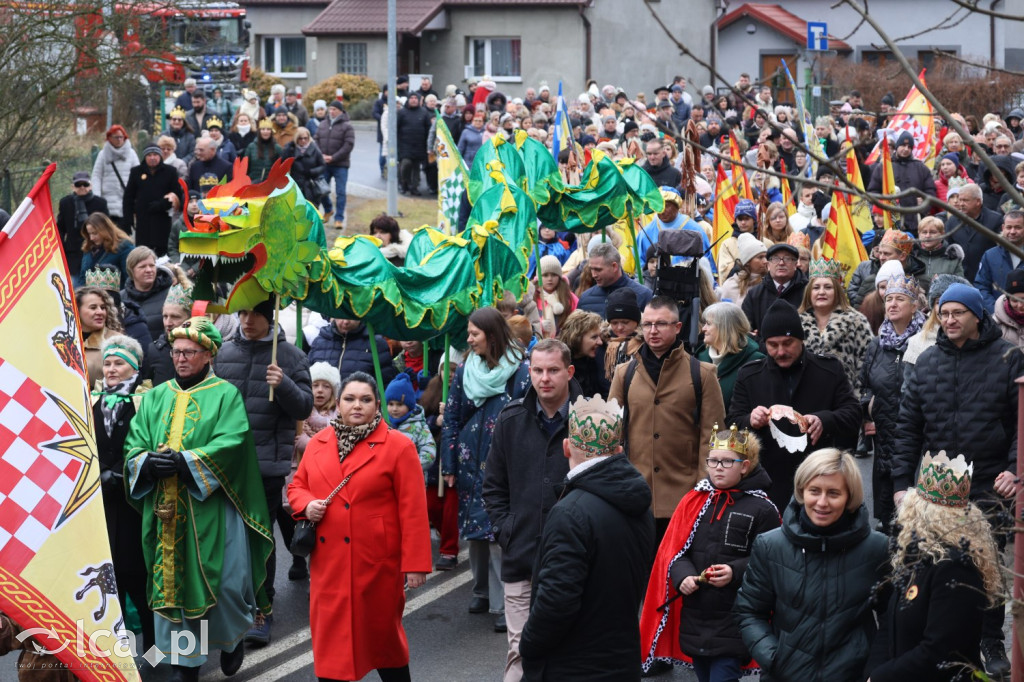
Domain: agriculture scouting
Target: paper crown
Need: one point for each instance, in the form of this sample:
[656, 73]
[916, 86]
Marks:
[266, 123]
[899, 240]
[177, 112]
[595, 426]
[104, 278]
[944, 481]
[825, 267]
[214, 122]
[731, 440]
[902, 284]
[178, 295]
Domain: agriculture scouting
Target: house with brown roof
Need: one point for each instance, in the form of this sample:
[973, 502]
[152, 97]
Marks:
[518, 43]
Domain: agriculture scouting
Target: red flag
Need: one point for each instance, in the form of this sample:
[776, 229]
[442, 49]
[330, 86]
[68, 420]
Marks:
[725, 206]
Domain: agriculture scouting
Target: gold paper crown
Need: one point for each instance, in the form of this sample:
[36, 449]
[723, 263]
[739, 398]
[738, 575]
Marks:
[104, 278]
[595, 426]
[731, 440]
[944, 481]
[177, 112]
[902, 284]
[266, 123]
[178, 295]
[214, 122]
[825, 267]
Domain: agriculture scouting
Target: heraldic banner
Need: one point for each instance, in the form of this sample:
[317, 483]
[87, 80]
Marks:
[56, 575]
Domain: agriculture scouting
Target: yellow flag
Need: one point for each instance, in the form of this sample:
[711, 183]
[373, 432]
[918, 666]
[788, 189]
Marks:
[860, 209]
[451, 178]
[56, 574]
[842, 241]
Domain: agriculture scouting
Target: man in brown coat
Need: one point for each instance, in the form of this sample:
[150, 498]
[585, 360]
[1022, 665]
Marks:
[667, 435]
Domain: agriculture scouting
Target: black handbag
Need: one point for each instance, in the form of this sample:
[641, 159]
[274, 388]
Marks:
[304, 537]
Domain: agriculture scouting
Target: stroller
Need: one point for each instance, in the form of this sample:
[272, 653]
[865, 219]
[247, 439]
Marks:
[681, 280]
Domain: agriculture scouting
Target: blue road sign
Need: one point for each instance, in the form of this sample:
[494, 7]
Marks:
[817, 35]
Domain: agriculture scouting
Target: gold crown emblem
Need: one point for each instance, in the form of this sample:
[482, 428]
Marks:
[266, 123]
[945, 481]
[104, 278]
[178, 112]
[595, 426]
[731, 440]
[826, 267]
[214, 122]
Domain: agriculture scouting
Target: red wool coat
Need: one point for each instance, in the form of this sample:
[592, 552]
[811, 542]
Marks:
[374, 532]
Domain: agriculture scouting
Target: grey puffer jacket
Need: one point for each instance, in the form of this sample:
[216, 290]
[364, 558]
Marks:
[244, 363]
[804, 607]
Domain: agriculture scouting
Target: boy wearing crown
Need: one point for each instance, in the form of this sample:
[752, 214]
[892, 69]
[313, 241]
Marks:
[687, 616]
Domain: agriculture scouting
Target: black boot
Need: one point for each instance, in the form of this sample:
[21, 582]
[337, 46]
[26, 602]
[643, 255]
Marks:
[180, 673]
[231, 661]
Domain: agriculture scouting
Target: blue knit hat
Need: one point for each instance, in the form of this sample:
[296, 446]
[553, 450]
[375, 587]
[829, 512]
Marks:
[965, 295]
[400, 389]
[746, 207]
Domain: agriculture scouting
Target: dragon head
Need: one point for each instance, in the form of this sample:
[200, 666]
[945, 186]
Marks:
[251, 239]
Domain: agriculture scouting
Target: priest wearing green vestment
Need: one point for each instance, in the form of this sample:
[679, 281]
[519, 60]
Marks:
[191, 470]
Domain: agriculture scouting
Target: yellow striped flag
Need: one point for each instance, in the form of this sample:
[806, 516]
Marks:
[860, 209]
[451, 178]
[915, 115]
[725, 205]
[787, 193]
[888, 180]
[842, 241]
[739, 175]
[56, 574]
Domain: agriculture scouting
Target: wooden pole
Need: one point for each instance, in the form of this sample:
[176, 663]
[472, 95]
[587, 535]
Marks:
[273, 336]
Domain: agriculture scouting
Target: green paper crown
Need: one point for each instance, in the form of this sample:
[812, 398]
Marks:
[595, 426]
[943, 481]
[104, 278]
[179, 296]
[823, 267]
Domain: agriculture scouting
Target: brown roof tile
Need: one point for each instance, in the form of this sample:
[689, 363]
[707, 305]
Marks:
[285, 3]
[370, 16]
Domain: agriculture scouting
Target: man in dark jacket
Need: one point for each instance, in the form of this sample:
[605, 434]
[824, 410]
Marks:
[345, 344]
[961, 397]
[207, 169]
[659, 167]
[245, 361]
[72, 212]
[997, 262]
[813, 385]
[908, 173]
[413, 127]
[336, 138]
[151, 191]
[784, 281]
[994, 194]
[606, 267]
[523, 463]
[594, 560]
[974, 243]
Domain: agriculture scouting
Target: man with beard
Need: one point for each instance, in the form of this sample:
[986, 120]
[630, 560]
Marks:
[196, 119]
[658, 165]
[72, 212]
[207, 169]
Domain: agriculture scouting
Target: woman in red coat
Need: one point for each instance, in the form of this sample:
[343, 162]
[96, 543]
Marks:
[373, 540]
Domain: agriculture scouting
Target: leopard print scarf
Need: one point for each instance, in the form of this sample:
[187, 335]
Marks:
[348, 436]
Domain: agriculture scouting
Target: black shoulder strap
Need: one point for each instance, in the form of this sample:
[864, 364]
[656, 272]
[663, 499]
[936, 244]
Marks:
[697, 390]
[118, 174]
[626, 381]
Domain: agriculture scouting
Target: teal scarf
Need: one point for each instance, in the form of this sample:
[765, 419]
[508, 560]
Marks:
[480, 382]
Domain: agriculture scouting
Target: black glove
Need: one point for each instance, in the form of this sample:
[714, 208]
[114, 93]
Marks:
[180, 464]
[111, 480]
[160, 465]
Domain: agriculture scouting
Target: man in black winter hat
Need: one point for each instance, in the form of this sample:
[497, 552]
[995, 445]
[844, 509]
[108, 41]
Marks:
[814, 386]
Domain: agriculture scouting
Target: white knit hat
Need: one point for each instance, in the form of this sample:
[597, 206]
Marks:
[749, 247]
[324, 371]
[889, 269]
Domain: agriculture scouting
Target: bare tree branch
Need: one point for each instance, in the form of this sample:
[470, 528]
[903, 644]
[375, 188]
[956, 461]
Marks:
[973, 6]
[979, 65]
[941, 26]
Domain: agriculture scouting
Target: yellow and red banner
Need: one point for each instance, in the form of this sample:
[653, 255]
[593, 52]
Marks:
[842, 242]
[787, 194]
[739, 174]
[725, 207]
[888, 180]
[860, 209]
[915, 115]
[56, 574]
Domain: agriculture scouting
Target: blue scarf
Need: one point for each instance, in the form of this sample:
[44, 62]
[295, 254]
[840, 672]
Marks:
[480, 382]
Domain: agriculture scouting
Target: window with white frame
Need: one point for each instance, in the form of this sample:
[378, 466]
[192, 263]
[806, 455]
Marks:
[284, 56]
[499, 58]
[352, 58]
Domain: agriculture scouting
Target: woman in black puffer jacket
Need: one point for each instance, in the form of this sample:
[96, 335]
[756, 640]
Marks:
[881, 381]
[804, 606]
[309, 164]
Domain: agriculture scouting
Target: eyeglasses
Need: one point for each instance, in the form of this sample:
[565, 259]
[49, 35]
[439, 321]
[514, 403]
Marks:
[81, 184]
[952, 314]
[301, 139]
[724, 463]
[187, 354]
[782, 259]
[660, 326]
